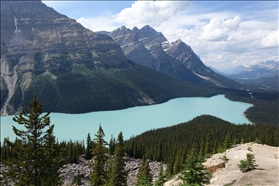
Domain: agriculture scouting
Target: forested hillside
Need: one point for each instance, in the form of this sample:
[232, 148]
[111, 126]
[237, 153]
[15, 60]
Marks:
[265, 107]
[207, 134]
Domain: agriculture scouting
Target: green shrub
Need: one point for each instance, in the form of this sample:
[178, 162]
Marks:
[248, 164]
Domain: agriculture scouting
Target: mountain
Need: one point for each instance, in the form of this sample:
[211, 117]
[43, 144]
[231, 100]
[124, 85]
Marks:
[72, 69]
[235, 70]
[150, 48]
[263, 75]
[266, 83]
[144, 46]
[260, 70]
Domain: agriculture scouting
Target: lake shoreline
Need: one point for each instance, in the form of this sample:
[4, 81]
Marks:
[136, 120]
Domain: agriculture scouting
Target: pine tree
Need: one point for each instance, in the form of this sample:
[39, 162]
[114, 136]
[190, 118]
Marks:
[88, 154]
[201, 153]
[77, 179]
[207, 142]
[111, 145]
[194, 172]
[144, 177]
[35, 159]
[242, 140]
[227, 142]
[118, 176]
[98, 175]
[170, 168]
[161, 180]
[248, 164]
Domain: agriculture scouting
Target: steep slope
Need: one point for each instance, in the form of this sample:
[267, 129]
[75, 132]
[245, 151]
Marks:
[72, 69]
[184, 54]
[144, 46]
[150, 48]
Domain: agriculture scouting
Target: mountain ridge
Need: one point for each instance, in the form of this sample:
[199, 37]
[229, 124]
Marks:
[150, 48]
[72, 69]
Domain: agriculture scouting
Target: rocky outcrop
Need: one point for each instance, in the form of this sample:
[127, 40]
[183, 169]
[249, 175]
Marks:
[214, 163]
[69, 171]
[230, 174]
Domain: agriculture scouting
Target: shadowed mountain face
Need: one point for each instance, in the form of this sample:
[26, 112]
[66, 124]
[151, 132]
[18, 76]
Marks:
[147, 47]
[37, 32]
[72, 69]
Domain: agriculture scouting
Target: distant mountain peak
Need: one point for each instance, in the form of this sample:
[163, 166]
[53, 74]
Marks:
[150, 48]
[147, 27]
[123, 27]
[135, 29]
[179, 43]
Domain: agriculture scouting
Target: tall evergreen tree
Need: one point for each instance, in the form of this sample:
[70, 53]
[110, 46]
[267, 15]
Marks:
[144, 177]
[194, 172]
[35, 160]
[88, 154]
[118, 175]
[161, 179]
[111, 145]
[207, 142]
[227, 142]
[98, 175]
[201, 152]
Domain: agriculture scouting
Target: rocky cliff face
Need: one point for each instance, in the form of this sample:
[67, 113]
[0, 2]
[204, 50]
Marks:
[34, 31]
[37, 40]
[147, 47]
[144, 46]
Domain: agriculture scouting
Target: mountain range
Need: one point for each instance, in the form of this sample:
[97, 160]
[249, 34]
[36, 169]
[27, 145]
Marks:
[150, 48]
[263, 75]
[260, 70]
[74, 70]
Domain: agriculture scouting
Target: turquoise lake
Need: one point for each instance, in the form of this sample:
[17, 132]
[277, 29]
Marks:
[134, 121]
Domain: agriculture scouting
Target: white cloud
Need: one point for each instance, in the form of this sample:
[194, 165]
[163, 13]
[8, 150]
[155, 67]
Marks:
[153, 13]
[271, 40]
[98, 23]
[221, 38]
[219, 29]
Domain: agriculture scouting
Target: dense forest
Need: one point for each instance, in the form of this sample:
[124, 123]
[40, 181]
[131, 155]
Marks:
[265, 107]
[206, 134]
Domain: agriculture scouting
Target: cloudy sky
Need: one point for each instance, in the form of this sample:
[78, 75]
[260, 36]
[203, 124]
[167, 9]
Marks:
[223, 34]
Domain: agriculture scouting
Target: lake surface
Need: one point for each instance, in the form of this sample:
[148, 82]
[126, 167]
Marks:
[134, 121]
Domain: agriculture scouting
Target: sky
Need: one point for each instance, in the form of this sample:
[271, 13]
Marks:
[224, 34]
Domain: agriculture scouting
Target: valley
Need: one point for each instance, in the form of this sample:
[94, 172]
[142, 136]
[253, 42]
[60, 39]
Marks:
[61, 81]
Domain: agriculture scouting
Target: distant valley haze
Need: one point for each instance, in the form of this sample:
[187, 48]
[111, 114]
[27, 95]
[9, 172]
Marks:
[225, 34]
